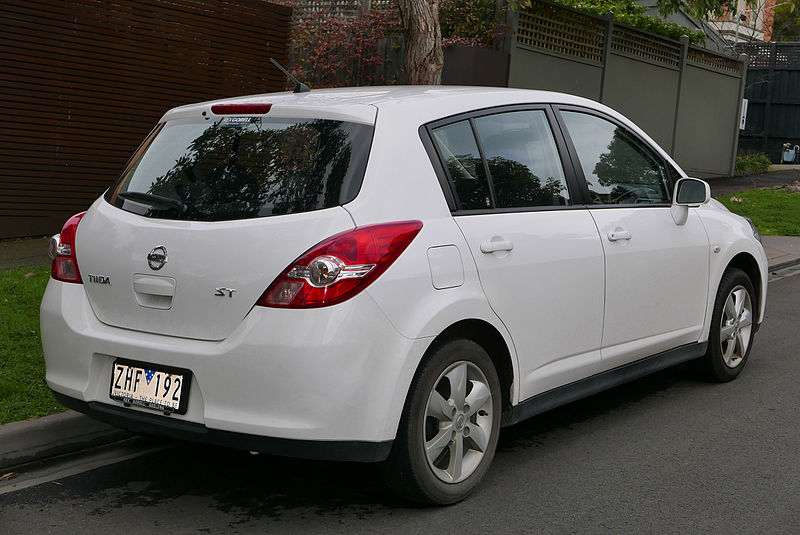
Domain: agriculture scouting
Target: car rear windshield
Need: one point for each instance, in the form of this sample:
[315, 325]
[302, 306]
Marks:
[243, 167]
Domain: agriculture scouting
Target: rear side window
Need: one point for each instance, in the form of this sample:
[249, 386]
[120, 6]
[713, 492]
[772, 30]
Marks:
[244, 167]
[619, 169]
[523, 159]
[520, 166]
[464, 165]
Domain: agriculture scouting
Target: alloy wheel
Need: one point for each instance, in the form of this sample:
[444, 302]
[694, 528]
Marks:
[736, 325]
[458, 422]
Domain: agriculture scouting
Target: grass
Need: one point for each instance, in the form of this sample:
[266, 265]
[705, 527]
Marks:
[23, 392]
[774, 212]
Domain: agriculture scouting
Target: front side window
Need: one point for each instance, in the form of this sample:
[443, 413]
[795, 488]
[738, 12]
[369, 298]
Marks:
[523, 159]
[619, 169]
[244, 167]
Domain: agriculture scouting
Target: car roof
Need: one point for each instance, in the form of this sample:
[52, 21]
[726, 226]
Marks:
[360, 103]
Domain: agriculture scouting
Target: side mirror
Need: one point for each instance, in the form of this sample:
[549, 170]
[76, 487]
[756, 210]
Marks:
[691, 192]
[688, 192]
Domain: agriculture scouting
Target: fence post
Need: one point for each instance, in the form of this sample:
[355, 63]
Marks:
[773, 53]
[606, 52]
[684, 40]
[510, 39]
[745, 59]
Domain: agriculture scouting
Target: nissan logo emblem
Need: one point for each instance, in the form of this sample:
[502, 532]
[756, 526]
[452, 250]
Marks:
[157, 258]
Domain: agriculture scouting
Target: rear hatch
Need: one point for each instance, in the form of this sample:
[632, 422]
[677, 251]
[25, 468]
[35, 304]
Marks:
[209, 211]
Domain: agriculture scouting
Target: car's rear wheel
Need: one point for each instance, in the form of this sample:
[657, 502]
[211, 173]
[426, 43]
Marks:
[732, 328]
[449, 428]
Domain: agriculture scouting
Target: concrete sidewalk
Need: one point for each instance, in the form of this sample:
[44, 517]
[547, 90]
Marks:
[56, 434]
[777, 176]
[30, 252]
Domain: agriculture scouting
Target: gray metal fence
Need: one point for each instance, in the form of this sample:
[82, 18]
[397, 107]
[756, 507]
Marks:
[773, 94]
[686, 98]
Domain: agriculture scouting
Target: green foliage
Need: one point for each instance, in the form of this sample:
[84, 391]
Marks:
[755, 163]
[333, 51]
[786, 26]
[632, 14]
[773, 211]
[701, 9]
[470, 22]
[23, 391]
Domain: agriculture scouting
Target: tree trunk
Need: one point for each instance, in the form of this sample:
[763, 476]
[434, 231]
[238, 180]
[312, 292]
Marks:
[424, 57]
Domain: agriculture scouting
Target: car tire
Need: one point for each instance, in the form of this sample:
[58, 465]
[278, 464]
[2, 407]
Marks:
[449, 428]
[732, 329]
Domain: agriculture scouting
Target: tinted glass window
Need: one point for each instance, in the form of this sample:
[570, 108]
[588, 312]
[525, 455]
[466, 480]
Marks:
[244, 167]
[619, 169]
[523, 159]
[459, 149]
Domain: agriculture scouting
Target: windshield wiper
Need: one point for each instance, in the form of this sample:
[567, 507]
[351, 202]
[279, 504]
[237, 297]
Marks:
[151, 198]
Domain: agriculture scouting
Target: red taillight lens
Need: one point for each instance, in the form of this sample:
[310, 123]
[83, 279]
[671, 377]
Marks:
[339, 267]
[62, 248]
[240, 109]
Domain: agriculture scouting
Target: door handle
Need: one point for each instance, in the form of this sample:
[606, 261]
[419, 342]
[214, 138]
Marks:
[493, 246]
[619, 234]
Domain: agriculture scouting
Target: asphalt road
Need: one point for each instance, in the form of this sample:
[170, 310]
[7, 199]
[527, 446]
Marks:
[665, 454]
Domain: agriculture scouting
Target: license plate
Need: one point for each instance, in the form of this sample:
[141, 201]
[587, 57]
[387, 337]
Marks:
[153, 387]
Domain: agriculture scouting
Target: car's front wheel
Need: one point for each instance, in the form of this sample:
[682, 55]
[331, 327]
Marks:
[732, 328]
[449, 428]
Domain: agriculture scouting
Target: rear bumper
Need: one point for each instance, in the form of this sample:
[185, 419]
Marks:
[337, 375]
[153, 424]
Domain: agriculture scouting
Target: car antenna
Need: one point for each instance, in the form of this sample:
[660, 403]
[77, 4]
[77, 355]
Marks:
[299, 87]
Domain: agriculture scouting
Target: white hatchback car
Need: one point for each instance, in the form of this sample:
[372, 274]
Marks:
[391, 274]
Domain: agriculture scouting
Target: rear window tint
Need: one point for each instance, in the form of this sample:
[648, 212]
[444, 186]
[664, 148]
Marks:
[244, 167]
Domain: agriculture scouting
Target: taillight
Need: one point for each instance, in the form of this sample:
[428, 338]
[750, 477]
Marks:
[62, 250]
[339, 267]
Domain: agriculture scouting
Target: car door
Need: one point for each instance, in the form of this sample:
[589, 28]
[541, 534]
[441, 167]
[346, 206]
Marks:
[538, 254]
[656, 276]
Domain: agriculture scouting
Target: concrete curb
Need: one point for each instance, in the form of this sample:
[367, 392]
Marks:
[52, 435]
[784, 265]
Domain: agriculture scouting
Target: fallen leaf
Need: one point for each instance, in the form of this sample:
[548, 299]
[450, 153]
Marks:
[16, 282]
[32, 315]
[30, 274]
[7, 476]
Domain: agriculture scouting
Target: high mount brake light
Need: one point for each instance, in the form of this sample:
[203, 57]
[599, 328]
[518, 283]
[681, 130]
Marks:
[339, 267]
[62, 249]
[240, 109]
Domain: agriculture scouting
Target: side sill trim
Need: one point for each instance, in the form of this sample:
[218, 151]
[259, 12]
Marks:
[154, 424]
[602, 381]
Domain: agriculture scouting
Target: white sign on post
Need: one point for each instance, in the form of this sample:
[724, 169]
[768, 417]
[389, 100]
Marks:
[743, 118]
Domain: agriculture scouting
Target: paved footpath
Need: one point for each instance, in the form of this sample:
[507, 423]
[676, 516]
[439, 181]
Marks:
[30, 252]
[730, 185]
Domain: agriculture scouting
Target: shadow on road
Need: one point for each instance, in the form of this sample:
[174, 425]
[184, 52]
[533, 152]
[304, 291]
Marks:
[251, 488]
